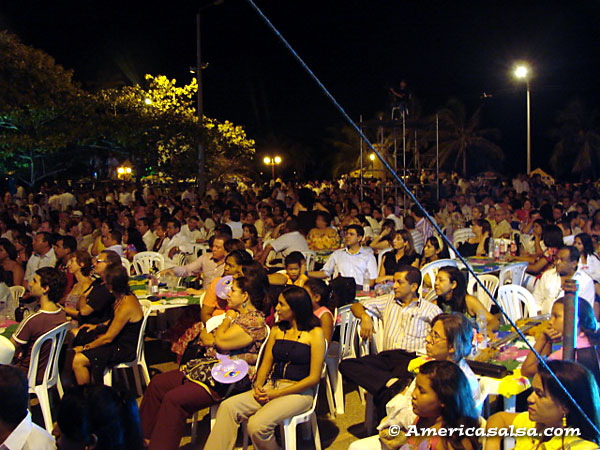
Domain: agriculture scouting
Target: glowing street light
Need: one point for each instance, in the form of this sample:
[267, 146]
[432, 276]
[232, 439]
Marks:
[522, 73]
[147, 101]
[272, 161]
[372, 156]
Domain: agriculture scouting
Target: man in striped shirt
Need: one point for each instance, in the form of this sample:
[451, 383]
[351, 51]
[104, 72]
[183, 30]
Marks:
[406, 322]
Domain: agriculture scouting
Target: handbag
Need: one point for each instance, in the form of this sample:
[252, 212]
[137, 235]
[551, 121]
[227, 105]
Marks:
[199, 371]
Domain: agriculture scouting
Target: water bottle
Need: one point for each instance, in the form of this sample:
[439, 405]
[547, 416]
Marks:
[491, 247]
[366, 286]
[482, 325]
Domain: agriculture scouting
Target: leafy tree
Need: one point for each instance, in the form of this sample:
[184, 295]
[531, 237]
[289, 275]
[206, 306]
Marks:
[462, 139]
[578, 141]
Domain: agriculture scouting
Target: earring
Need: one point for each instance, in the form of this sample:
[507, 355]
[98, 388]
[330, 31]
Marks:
[564, 420]
[244, 304]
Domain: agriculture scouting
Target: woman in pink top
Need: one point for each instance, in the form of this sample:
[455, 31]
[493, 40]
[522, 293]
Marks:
[320, 293]
[587, 334]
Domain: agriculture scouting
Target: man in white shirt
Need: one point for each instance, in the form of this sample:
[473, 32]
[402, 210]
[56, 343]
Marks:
[43, 255]
[112, 241]
[191, 229]
[388, 212]
[550, 286]
[352, 261]
[17, 431]
[234, 223]
[175, 242]
[291, 241]
[149, 238]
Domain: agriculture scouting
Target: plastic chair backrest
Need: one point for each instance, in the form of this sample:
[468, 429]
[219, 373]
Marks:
[144, 261]
[348, 324]
[513, 274]
[462, 235]
[432, 268]
[490, 282]
[7, 350]
[517, 301]
[17, 292]
[262, 347]
[125, 263]
[310, 256]
[380, 258]
[147, 308]
[56, 337]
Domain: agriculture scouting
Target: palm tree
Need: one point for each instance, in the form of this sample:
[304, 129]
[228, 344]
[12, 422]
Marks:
[461, 138]
[578, 145]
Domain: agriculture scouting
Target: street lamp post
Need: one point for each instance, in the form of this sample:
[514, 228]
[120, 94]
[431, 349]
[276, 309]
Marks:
[522, 73]
[269, 160]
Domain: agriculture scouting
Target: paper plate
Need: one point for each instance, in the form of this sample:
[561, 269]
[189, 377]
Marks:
[230, 370]
[223, 287]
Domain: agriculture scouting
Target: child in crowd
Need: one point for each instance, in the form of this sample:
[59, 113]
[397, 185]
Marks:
[294, 273]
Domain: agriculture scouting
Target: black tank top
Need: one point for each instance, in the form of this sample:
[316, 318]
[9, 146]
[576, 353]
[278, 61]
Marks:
[291, 360]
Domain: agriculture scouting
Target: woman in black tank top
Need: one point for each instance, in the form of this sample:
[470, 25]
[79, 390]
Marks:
[284, 386]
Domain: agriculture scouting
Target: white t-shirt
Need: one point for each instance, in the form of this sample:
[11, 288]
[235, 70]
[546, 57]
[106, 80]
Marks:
[290, 242]
[548, 289]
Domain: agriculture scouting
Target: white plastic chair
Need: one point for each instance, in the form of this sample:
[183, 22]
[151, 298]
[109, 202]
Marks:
[214, 408]
[517, 301]
[462, 235]
[17, 292]
[338, 351]
[380, 258]
[513, 274]
[125, 263]
[310, 257]
[144, 261]
[432, 268]
[7, 350]
[140, 359]
[490, 282]
[51, 378]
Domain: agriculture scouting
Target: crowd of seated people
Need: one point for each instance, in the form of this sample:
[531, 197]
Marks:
[68, 255]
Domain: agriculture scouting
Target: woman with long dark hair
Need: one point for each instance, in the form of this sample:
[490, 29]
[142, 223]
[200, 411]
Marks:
[287, 376]
[403, 253]
[451, 290]
[589, 261]
[551, 410]
[13, 272]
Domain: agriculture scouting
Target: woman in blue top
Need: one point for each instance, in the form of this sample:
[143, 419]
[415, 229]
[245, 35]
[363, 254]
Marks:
[286, 379]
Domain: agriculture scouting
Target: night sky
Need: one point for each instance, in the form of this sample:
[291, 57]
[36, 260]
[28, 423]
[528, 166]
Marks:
[357, 47]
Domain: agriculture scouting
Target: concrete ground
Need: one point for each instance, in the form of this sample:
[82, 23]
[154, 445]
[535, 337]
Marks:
[336, 433]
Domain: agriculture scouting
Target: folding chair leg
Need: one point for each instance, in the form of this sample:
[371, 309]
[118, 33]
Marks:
[145, 372]
[59, 387]
[108, 377]
[361, 394]
[338, 385]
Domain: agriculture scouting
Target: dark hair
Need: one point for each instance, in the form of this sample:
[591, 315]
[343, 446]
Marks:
[117, 279]
[14, 394]
[552, 236]
[241, 257]
[47, 237]
[457, 301]
[409, 222]
[253, 233]
[255, 287]
[116, 236]
[389, 223]
[306, 198]
[68, 242]
[459, 332]
[413, 275]
[54, 280]
[145, 221]
[586, 319]
[320, 288]
[176, 223]
[580, 383]
[573, 252]
[325, 216]
[234, 245]
[85, 260]
[359, 230]
[407, 237]
[234, 214]
[9, 248]
[484, 224]
[586, 241]
[301, 305]
[294, 258]
[224, 229]
[454, 393]
[222, 237]
[101, 411]
[134, 237]
[111, 257]
[443, 251]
